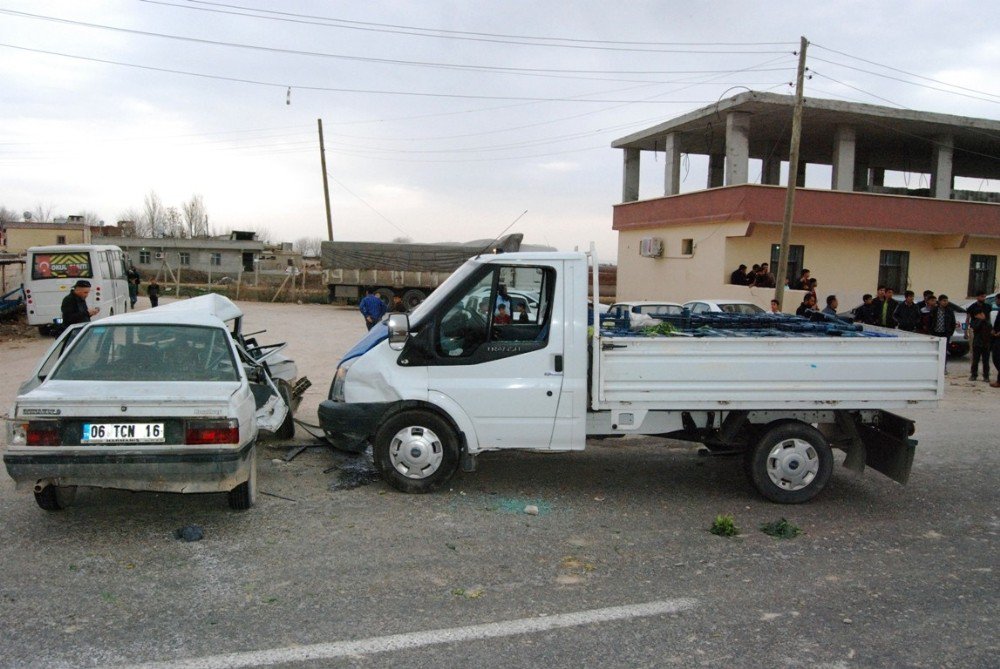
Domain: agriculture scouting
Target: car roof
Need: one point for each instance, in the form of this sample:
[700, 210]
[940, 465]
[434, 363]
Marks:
[210, 310]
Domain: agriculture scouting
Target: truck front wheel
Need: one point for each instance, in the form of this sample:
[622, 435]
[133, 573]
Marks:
[416, 451]
[791, 463]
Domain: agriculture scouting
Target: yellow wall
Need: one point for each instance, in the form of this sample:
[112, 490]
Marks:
[844, 261]
[20, 240]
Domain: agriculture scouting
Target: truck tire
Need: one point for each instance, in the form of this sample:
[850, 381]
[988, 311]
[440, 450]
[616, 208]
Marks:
[386, 295]
[791, 463]
[412, 298]
[416, 451]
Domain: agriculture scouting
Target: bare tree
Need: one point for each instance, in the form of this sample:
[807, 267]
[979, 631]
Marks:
[128, 221]
[308, 246]
[8, 216]
[174, 225]
[91, 218]
[42, 212]
[154, 216]
[195, 217]
[402, 240]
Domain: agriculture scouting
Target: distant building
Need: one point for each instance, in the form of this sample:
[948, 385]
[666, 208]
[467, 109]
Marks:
[20, 236]
[209, 256]
[853, 236]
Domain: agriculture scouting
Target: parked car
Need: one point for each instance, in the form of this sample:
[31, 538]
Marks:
[958, 343]
[723, 306]
[647, 307]
[166, 399]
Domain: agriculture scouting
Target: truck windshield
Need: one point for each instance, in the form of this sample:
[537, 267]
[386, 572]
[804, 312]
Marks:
[441, 292]
[72, 265]
[152, 353]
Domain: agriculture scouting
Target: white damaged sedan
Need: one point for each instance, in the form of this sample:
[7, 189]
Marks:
[165, 400]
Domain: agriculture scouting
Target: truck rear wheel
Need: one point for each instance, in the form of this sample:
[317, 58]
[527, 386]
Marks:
[386, 295]
[791, 463]
[412, 298]
[416, 451]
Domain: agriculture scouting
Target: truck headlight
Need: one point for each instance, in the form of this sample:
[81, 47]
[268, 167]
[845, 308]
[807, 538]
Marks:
[337, 390]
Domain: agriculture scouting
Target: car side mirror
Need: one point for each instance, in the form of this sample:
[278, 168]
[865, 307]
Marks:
[399, 330]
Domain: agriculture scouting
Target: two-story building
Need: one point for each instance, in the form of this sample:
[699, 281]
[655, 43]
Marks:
[853, 236]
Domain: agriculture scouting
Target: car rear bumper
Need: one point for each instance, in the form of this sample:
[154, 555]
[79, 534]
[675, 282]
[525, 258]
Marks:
[211, 470]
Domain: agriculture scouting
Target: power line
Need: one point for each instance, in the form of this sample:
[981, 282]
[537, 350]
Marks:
[896, 69]
[367, 204]
[561, 42]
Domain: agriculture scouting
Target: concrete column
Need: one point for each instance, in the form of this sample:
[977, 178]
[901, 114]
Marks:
[843, 158]
[630, 179]
[771, 171]
[737, 148]
[672, 168]
[941, 167]
[800, 177]
[716, 169]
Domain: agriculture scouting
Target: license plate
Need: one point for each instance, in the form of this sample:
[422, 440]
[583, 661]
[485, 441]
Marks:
[122, 433]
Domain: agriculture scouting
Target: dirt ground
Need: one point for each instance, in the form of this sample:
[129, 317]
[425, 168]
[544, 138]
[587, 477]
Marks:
[883, 575]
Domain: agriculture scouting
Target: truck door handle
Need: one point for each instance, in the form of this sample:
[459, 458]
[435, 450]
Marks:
[559, 363]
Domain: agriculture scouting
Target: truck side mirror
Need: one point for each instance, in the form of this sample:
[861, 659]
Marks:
[399, 330]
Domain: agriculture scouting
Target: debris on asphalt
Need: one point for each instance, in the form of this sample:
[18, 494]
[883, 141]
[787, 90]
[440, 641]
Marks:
[531, 509]
[189, 533]
[355, 472]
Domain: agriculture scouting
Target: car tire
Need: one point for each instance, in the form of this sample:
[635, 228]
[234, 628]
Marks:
[416, 451]
[244, 496]
[791, 463]
[55, 497]
[287, 428]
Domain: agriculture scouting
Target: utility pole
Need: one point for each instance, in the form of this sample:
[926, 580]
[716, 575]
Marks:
[326, 186]
[793, 176]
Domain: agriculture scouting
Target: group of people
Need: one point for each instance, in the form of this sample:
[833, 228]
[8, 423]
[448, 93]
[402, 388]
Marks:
[758, 275]
[373, 308]
[984, 337]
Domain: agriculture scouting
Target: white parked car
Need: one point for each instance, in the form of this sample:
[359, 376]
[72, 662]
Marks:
[639, 312]
[167, 399]
[723, 307]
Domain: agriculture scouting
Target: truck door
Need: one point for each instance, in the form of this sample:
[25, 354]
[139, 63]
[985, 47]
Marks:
[504, 370]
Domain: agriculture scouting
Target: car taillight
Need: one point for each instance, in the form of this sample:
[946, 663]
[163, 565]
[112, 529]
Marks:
[43, 433]
[212, 432]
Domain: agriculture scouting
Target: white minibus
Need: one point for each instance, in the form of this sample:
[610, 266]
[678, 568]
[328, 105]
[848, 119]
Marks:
[51, 271]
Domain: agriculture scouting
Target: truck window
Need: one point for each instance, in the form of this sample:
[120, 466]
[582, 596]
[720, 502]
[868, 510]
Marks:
[506, 312]
[61, 265]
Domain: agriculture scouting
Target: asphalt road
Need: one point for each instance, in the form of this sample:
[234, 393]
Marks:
[618, 568]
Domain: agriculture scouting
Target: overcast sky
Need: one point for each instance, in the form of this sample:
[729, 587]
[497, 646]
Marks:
[443, 120]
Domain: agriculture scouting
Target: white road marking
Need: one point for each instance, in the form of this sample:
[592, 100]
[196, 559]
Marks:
[394, 642]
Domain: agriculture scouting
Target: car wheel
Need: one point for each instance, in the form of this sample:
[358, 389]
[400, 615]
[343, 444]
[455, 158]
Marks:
[287, 428]
[416, 451]
[244, 496]
[56, 497]
[791, 463]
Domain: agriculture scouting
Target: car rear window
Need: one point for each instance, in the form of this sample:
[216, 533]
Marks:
[74, 265]
[149, 353]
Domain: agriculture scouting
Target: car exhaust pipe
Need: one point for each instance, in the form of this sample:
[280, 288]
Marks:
[42, 485]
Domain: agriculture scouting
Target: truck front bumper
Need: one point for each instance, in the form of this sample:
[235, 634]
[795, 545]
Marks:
[214, 470]
[350, 425]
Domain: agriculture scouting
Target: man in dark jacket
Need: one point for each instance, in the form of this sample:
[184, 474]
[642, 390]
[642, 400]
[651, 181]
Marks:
[74, 305]
[739, 276]
[907, 313]
[885, 307]
[866, 312]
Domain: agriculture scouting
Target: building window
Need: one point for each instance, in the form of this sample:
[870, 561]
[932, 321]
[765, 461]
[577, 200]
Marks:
[217, 259]
[185, 258]
[796, 260]
[982, 274]
[60, 239]
[894, 270]
[143, 257]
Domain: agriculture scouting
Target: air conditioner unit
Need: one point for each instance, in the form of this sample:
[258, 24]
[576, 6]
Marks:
[651, 247]
[159, 255]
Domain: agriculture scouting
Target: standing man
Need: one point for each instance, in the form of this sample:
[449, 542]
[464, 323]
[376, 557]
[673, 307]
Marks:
[885, 307]
[831, 305]
[372, 308]
[907, 314]
[74, 305]
[132, 275]
[397, 306]
[153, 292]
[982, 335]
[775, 307]
[866, 312]
[764, 278]
[808, 304]
[977, 307]
[996, 350]
[502, 298]
[942, 321]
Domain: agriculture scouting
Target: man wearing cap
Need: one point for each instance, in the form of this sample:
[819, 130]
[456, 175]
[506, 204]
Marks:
[74, 305]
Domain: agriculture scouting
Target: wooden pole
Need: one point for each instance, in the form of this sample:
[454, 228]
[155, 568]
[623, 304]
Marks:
[793, 172]
[281, 288]
[326, 186]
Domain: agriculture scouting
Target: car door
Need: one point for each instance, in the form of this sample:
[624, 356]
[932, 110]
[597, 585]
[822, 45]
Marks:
[506, 377]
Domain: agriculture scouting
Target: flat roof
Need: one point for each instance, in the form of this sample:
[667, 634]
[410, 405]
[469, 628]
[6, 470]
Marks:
[886, 137]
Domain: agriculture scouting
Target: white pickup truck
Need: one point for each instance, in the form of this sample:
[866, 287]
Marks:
[433, 389]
